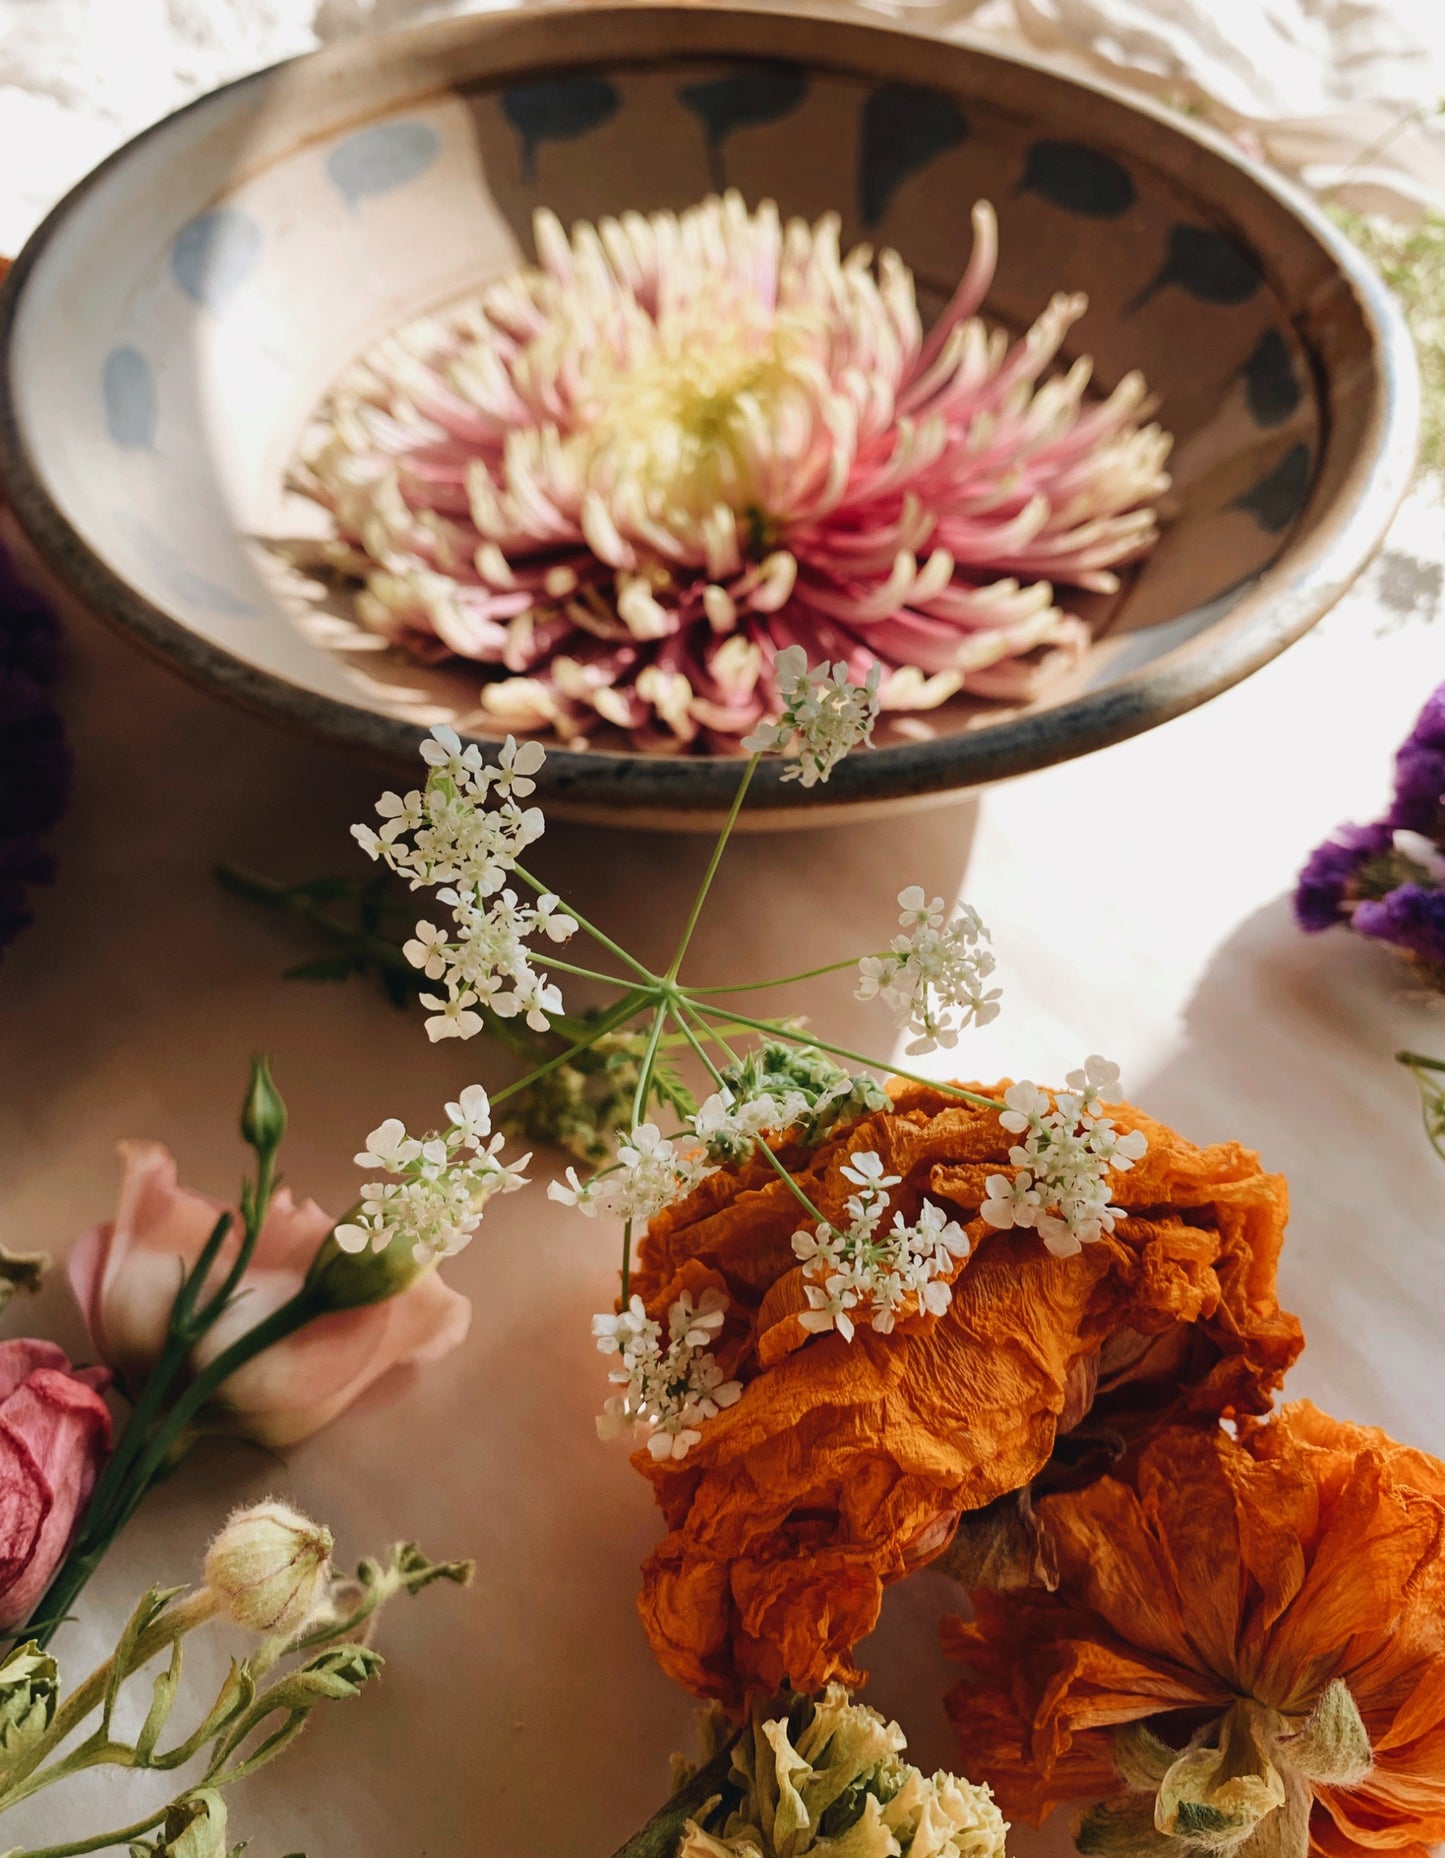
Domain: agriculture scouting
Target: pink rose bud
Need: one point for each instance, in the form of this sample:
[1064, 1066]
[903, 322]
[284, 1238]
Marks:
[54, 1439]
[124, 1276]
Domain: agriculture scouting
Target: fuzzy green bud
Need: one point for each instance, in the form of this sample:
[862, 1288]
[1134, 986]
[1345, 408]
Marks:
[341, 1280]
[29, 1687]
[271, 1568]
[263, 1114]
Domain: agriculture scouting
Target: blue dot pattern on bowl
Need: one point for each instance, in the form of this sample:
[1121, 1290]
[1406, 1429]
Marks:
[1207, 265]
[128, 391]
[214, 254]
[375, 160]
[1271, 390]
[760, 93]
[1279, 496]
[557, 109]
[193, 588]
[904, 128]
[1078, 179]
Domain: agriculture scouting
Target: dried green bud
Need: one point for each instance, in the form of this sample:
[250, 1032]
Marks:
[271, 1568]
[29, 1686]
[263, 1114]
[341, 1280]
[330, 1677]
[194, 1827]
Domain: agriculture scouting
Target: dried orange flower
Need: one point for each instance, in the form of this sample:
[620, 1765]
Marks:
[844, 1465]
[1245, 1653]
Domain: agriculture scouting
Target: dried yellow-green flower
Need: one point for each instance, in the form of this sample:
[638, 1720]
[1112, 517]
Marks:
[829, 1779]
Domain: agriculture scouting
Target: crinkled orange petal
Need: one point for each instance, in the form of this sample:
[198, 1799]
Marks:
[845, 1465]
[1262, 1567]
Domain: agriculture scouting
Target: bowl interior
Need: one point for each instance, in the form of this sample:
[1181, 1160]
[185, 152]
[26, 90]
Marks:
[187, 311]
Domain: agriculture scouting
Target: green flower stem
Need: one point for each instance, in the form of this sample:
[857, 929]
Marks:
[376, 948]
[695, 1028]
[603, 941]
[102, 1841]
[786, 980]
[717, 852]
[626, 1262]
[260, 1206]
[587, 974]
[649, 1059]
[1419, 1061]
[609, 1022]
[778, 1030]
[639, 1110]
[660, 1837]
[758, 1142]
[683, 1019]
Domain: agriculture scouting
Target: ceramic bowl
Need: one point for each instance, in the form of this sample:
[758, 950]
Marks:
[169, 329]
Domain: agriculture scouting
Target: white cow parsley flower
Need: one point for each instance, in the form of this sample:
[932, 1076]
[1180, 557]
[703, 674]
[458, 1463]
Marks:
[439, 1183]
[651, 1171]
[824, 715]
[863, 1274]
[670, 1390]
[934, 978]
[728, 1126]
[465, 831]
[1064, 1161]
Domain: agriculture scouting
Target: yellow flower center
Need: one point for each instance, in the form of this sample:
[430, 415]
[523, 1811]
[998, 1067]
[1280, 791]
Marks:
[692, 418]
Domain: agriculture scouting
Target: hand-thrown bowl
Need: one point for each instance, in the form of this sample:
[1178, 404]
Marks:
[167, 331]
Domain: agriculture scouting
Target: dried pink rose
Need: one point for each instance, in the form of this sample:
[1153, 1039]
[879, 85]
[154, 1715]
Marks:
[54, 1439]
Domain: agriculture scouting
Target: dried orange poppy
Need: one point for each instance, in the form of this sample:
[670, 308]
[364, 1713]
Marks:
[845, 1465]
[1246, 1649]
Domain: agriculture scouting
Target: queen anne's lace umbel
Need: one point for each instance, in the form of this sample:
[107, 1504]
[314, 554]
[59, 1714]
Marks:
[668, 1388]
[438, 1184]
[860, 1273]
[1068, 1149]
[464, 833]
[933, 978]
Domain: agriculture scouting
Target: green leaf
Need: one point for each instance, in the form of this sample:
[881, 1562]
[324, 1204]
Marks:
[152, 1605]
[163, 1698]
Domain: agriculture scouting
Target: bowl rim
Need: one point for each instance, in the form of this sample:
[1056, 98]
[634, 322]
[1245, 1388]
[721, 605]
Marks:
[1290, 594]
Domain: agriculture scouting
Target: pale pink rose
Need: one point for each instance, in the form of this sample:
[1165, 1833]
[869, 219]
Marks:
[54, 1439]
[125, 1275]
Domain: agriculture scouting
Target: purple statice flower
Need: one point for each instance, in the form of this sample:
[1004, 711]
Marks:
[1420, 774]
[1412, 917]
[34, 756]
[1324, 894]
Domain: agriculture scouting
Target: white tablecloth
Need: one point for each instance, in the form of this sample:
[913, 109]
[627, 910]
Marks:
[1139, 905]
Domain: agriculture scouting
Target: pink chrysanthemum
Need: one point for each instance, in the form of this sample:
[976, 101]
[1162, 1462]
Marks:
[630, 476]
